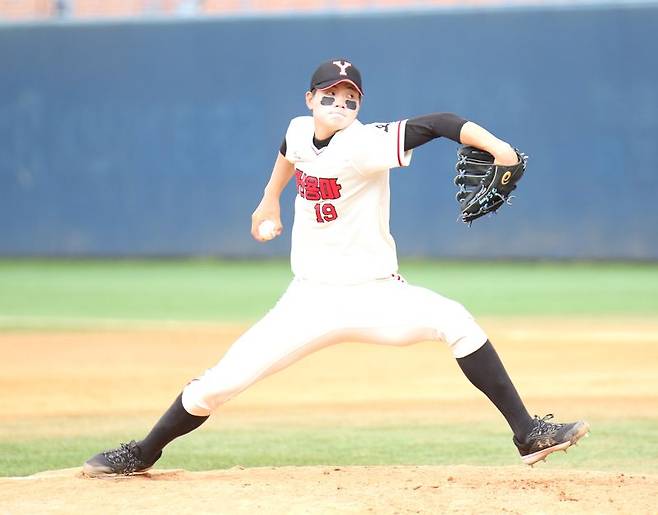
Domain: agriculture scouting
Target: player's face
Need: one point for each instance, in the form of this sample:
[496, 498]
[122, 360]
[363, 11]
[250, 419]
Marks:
[334, 108]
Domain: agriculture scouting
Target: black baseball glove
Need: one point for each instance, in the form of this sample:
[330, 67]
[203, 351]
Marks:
[483, 186]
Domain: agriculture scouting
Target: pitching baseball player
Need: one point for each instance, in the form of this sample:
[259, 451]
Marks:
[346, 285]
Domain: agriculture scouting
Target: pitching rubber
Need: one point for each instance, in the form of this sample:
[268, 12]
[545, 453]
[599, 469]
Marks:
[581, 429]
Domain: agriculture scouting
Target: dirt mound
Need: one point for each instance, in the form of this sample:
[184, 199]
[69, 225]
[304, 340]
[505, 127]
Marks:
[296, 490]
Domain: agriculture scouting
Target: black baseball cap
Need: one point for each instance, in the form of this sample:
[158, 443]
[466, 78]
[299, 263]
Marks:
[335, 71]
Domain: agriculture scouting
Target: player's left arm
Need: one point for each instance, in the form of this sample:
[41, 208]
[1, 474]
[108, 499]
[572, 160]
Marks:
[421, 129]
[476, 136]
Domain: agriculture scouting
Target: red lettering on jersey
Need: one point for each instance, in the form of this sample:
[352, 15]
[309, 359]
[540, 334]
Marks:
[312, 188]
[329, 188]
[299, 182]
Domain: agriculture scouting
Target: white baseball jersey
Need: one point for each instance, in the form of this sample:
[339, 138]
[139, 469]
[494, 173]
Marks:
[341, 229]
[344, 260]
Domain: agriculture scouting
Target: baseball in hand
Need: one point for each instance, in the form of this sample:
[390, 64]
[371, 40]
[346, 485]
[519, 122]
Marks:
[266, 230]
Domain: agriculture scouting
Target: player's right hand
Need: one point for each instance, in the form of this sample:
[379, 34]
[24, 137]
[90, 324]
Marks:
[268, 209]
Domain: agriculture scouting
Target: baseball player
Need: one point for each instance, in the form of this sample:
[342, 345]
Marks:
[346, 285]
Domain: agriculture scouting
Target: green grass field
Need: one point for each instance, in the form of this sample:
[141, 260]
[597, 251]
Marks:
[624, 445]
[57, 294]
[51, 294]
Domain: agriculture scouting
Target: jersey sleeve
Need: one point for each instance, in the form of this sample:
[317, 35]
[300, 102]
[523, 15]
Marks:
[300, 131]
[284, 145]
[380, 147]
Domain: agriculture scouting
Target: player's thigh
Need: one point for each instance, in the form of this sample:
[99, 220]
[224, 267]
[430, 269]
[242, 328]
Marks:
[287, 333]
[405, 313]
[283, 329]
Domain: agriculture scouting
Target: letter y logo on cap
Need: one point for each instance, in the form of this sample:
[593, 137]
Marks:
[343, 65]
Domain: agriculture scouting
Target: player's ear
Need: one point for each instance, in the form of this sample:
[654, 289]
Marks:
[309, 100]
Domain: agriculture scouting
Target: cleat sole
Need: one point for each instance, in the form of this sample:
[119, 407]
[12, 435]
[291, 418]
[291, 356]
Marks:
[95, 471]
[581, 430]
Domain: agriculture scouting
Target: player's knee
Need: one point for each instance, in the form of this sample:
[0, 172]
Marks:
[460, 330]
[469, 343]
[193, 402]
[203, 396]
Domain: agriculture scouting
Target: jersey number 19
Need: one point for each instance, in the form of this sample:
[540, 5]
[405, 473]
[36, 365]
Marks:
[325, 212]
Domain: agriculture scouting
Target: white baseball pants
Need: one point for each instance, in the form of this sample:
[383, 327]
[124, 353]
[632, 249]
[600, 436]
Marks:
[310, 316]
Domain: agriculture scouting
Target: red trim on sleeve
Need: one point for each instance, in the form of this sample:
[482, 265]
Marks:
[399, 159]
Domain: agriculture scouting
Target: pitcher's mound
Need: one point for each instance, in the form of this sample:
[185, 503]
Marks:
[327, 489]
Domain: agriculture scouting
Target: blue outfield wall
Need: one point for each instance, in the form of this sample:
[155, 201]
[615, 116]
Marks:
[157, 138]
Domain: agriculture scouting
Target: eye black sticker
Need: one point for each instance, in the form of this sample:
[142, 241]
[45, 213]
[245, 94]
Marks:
[329, 101]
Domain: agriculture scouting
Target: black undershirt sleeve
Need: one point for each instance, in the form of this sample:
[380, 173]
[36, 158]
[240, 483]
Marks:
[421, 129]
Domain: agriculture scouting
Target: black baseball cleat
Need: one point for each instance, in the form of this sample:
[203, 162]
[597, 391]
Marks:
[125, 460]
[545, 437]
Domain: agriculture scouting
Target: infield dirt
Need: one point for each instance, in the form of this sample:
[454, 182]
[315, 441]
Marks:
[578, 368]
[297, 490]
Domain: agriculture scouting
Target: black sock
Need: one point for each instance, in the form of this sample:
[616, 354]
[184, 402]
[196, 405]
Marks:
[174, 423]
[484, 369]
